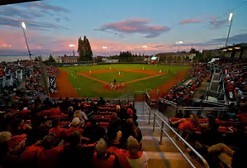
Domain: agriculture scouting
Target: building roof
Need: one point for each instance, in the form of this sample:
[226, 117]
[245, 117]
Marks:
[6, 2]
[234, 47]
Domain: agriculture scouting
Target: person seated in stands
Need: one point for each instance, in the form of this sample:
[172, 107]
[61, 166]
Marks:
[49, 154]
[57, 131]
[114, 131]
[131, 113]
[75, 152]
[70, 112]
[81, 115]
[221, 155]
[135, 157]
[210, 132]
[122, 114]
[221, 152]
[94, 132]
[101, 101]
[19, 126]
[7, 160]
[102, 158]
[75, 125]
[186, 123]
[186, 126]
[40, 128]
[130, 129]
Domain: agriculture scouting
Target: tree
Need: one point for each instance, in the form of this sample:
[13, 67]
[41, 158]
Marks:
[84, 49]
[50, 60]
[125, 56]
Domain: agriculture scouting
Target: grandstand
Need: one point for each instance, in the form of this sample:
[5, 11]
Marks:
[199, 120]
[48, 125]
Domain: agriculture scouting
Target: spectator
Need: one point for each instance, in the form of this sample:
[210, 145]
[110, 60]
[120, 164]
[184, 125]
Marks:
[75, 125]
[80, 114]
[136, 158]
[114, 131]
[7, 160]
[130, 129]
[102, 158]
[101, 101]
[48, 156]
[94, 132]
[74, 153]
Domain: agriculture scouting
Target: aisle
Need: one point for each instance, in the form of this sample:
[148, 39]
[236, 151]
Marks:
[165, 155]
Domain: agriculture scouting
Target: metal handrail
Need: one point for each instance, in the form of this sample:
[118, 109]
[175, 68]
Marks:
[180, 150]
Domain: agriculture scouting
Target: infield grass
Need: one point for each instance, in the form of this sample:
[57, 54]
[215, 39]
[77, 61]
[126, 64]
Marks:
[87, 87]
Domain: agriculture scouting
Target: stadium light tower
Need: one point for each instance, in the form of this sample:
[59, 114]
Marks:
[24, 28]
[179, 43]
[230, 27]
[144, 49]
[73, 48]
[105, 48]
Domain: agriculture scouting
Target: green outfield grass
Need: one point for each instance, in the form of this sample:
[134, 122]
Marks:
[123, 77]
[91, 88]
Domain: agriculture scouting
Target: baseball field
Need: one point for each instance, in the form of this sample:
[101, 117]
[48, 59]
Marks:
[113, 80]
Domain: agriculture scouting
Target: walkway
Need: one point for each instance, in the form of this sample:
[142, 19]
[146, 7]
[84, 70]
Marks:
[164, 155]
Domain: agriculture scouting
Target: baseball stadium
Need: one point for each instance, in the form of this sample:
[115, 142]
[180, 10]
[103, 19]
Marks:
[124, 98]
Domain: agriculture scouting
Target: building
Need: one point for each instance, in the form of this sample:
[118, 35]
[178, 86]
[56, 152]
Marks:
[68, 59]
[235, 51]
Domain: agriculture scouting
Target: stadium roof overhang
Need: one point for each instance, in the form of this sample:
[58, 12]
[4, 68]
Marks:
[235, 47]
[6, 2]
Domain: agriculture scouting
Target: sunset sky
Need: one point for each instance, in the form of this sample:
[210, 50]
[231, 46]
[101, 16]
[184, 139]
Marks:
[112, 26]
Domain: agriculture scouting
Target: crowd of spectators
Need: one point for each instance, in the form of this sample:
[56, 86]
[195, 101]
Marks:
[63, 132]
[183, 92]
[221, 140]
[21, 81]
[38, 131]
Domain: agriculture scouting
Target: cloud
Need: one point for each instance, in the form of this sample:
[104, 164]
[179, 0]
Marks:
[136, 26]
[32, 13]
[13, 22]
[236, 39]
[189, 21]
[17, 12]
[217, 23]
[47, 7]
[216, 43]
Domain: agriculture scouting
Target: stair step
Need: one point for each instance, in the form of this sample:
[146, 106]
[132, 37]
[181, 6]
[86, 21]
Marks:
[165, 155]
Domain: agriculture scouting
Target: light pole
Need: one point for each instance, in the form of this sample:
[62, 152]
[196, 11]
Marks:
[230, 26]
[23, 25]
[73, 47]
[178, 43]
[144, 49]
[105, 48]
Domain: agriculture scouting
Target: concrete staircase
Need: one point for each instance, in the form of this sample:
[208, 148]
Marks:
[161, 155]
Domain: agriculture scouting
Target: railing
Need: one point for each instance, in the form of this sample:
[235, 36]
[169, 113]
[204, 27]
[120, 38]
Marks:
[163, 131]
[174, 104]
[128, 97]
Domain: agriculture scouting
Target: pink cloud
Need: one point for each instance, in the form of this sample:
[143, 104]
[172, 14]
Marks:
[4, 44]
[36, 40]
[139, 25]
[114, 47]
[11, 39]
[190, 21]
